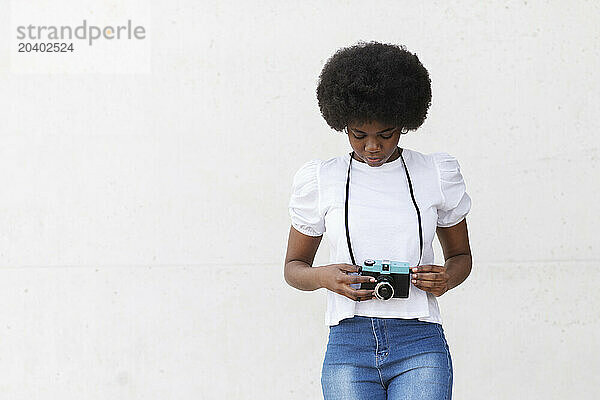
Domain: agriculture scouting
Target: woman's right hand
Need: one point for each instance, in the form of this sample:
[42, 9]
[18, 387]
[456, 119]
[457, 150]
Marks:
[335, 278]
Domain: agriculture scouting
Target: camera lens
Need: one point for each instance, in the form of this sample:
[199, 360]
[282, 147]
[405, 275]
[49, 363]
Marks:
[384, 290]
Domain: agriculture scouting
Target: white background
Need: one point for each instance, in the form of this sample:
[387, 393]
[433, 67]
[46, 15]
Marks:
[143, 216]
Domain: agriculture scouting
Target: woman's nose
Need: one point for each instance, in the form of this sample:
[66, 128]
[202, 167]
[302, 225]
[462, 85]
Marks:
[372, 145]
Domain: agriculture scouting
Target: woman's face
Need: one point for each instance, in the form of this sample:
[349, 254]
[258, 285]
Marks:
[374, 143]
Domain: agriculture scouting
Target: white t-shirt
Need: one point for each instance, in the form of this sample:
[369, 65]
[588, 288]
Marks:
[382, 220]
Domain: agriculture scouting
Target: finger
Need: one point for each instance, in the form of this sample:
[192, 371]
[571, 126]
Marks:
[428, 276]
[362, 294]
[429, 268]
[426, 284]
[359, 279]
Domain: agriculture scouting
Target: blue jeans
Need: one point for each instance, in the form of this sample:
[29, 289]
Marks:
[371, 358]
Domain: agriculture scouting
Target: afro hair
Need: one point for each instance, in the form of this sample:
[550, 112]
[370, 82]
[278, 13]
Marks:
[373, 81]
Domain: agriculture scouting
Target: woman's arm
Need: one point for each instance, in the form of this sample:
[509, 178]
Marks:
[298, 270]
[457, 252]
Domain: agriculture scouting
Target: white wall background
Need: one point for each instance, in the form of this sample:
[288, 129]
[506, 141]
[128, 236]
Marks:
[143, 216]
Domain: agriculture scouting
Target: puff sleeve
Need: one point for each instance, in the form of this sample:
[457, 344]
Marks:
[456, 203]
[304, 202]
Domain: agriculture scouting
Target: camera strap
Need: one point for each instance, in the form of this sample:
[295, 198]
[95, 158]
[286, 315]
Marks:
[412, 195]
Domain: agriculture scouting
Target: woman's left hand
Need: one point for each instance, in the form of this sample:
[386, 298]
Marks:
[431, 278]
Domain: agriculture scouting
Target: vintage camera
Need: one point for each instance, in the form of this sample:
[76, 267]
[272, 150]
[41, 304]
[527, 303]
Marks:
[393, 278]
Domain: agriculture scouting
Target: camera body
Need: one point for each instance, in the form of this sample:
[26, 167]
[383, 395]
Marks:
[393, 278]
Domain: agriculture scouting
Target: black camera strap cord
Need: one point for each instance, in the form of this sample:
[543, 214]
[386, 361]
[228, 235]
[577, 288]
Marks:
[412, 195]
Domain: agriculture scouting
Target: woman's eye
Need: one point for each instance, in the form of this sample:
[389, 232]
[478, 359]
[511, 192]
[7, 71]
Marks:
[382, 136]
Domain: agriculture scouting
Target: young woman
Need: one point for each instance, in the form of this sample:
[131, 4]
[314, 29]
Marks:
[379, 202]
